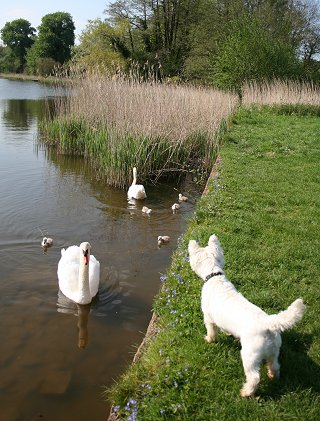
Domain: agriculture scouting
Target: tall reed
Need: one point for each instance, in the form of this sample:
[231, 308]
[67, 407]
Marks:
[119, 123]
[280, 92]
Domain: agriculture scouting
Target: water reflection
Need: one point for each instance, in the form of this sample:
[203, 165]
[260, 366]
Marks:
[81, 311]
[21, 114]
[107, 301]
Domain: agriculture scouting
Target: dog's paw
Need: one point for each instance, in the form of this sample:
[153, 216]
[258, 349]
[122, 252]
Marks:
[209, 339]
[273, 375]
[245, 393]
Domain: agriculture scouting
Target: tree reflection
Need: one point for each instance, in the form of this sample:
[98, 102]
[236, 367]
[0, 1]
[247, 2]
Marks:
[22, 113]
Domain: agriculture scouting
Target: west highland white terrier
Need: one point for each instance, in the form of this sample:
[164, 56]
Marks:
[224, 307]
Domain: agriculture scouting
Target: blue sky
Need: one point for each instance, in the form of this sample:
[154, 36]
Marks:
[34, 10]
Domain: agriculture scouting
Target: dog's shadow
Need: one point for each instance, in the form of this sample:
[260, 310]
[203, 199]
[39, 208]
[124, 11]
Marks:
[297, 370]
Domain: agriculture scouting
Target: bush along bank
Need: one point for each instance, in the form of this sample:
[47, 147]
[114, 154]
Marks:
[265, 208]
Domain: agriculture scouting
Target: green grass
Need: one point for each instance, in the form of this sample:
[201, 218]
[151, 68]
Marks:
[265, 208]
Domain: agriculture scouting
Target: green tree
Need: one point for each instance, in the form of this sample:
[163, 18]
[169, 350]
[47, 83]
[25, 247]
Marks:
[187, 35]
[100, 44]
[55, 40]
[19, 36]
[123, 13]
[309, 33]
[251, 53]
[156, 29]
[9, 63]
[207, 32]
[56, 36]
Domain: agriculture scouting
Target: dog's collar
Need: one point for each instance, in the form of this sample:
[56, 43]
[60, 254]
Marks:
[212, 274]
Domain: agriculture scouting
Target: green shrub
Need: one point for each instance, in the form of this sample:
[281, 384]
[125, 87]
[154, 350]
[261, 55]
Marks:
[251, 53]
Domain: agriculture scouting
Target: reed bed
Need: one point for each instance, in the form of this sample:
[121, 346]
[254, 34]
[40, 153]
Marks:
[279, 92]
[118, 123]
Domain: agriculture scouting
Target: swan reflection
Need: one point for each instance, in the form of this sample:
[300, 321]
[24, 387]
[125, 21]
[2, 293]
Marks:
[83, 314]
[112, 301]
[65, 305]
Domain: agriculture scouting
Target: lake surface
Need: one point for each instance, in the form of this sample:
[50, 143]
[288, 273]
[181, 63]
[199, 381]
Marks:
[43, 372]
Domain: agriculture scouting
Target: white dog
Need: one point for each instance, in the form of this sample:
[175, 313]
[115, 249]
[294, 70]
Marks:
[224, 307]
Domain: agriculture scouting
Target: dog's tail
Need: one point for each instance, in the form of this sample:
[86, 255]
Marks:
[287, 318]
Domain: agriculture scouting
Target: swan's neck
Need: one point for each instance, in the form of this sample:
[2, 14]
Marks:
[134, 176]
[84, 288]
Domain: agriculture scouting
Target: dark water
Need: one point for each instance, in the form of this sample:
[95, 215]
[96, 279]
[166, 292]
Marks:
[43, 372]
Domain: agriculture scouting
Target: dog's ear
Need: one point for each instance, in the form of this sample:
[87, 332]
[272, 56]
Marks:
[193, 245]
[213, 240]
[216, 249]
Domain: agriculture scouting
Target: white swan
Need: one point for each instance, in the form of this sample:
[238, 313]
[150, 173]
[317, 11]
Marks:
[79, 273]
[136, 191]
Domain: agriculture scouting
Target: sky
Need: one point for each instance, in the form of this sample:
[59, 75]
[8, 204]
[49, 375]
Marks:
[34, 10]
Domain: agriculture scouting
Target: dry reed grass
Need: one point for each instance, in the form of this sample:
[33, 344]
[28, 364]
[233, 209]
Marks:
[118, 122]
[151, 109]
[281, 92]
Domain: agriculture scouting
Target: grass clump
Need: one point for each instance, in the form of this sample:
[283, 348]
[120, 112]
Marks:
[119, 123]
[265, 208]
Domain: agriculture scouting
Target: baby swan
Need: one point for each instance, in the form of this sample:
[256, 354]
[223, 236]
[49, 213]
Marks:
[136, 191]
[182, 198]
[46, 242]
[146, 210]
[163, 239]
[175, 207]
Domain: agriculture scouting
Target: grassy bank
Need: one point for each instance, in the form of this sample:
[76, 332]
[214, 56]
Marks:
[265, 208]
[33, 78]
[19, 76]
[118, 123]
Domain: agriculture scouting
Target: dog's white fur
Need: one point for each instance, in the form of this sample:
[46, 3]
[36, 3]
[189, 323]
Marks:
[224, 307]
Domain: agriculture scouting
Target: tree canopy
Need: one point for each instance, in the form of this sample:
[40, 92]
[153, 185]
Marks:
[101, 45]
[251, 52]
[54, 41]
[218, 42]
[19, 36]
[193, 39]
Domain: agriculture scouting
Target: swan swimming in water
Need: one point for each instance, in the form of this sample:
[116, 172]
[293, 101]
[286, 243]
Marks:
[182, 198]
[146, 210]
[175, 207]
[46, 242]
[79, 273]
[136, 191]
[163, 239]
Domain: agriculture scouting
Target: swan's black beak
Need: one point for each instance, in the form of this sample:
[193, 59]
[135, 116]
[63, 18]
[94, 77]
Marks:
[86, 256]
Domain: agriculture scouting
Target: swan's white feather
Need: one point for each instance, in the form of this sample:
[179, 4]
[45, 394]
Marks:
[68, 273]
[137, 191]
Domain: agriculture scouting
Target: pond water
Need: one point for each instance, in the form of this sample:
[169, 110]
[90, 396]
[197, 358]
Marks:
[44, 373]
